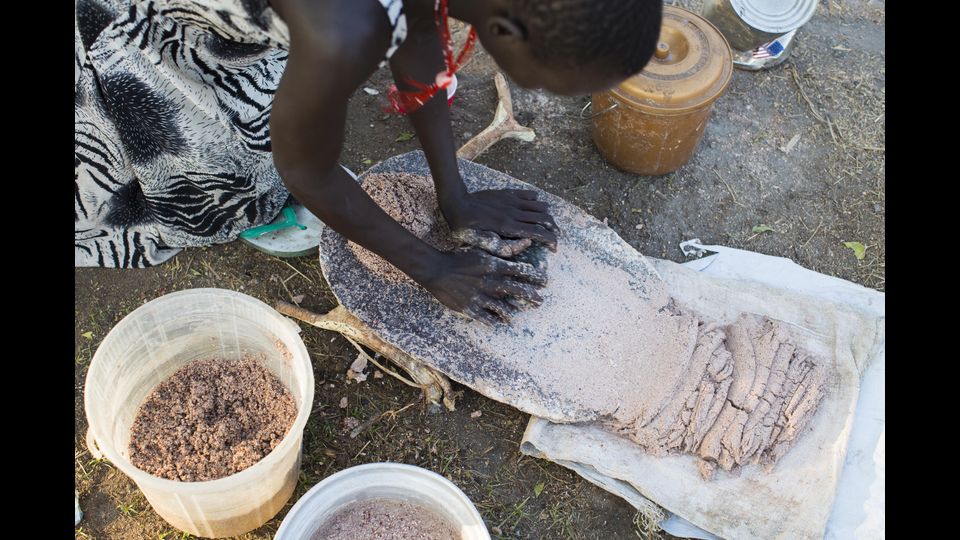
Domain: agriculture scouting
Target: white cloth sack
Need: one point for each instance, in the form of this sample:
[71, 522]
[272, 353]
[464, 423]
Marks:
[830, 484]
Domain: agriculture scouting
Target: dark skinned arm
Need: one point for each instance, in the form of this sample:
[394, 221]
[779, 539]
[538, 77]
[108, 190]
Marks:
[332, 52]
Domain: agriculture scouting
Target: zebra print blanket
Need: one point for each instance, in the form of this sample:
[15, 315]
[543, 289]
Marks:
[172, 145]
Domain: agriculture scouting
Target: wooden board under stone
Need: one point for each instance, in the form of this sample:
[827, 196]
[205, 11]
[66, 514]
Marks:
[578, 357]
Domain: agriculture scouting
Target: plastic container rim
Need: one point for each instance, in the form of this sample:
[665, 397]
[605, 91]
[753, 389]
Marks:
[295, 431]
[386, 466]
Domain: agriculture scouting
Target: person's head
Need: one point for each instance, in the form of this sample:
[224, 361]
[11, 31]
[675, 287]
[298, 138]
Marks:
[570, 47]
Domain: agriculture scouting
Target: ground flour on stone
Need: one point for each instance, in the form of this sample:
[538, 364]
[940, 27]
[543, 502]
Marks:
[749, 393]
[610, 347]
[411, 200]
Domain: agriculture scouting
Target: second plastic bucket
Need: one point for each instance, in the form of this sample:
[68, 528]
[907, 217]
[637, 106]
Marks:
[153, 342]
[382, 481]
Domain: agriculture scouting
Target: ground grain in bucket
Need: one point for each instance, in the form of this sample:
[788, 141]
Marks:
[211, 419]
[385, 519]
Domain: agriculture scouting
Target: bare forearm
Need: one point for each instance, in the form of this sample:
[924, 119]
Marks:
[340, 202]
[334, 47]
[421, 59]
[307, 158]
[307, 124]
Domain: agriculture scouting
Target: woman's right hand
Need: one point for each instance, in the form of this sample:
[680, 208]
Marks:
[483, 287]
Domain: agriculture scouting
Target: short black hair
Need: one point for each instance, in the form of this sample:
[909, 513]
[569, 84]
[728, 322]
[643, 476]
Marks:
[620, 35]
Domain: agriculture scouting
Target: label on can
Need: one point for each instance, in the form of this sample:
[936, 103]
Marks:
[775, 48]
[768, 50]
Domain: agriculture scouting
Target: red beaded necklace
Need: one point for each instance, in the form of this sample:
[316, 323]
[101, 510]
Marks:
[407, 101]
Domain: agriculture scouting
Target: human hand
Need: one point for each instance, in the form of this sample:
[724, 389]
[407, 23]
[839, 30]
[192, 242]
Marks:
[483, 287]
[501, 222]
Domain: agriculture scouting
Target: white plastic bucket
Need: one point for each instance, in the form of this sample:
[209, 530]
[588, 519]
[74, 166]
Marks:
[156, 340]
[395, 481]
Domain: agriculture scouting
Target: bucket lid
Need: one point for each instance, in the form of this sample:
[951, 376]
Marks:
[690, 68]
[775, 16]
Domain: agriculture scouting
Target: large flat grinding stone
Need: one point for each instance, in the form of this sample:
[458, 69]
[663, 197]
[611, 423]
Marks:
[582, 355]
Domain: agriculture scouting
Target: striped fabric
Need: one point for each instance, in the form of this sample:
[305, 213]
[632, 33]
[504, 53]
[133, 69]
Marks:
[172, 110]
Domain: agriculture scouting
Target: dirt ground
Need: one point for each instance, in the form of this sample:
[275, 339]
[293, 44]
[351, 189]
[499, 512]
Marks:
[827, 190]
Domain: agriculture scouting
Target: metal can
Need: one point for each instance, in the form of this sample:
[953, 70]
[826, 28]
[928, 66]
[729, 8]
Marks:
[651, 123]
[748, 24]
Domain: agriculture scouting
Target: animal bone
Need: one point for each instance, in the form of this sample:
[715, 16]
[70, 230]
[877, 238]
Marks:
[504, 125]
[435, 385]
